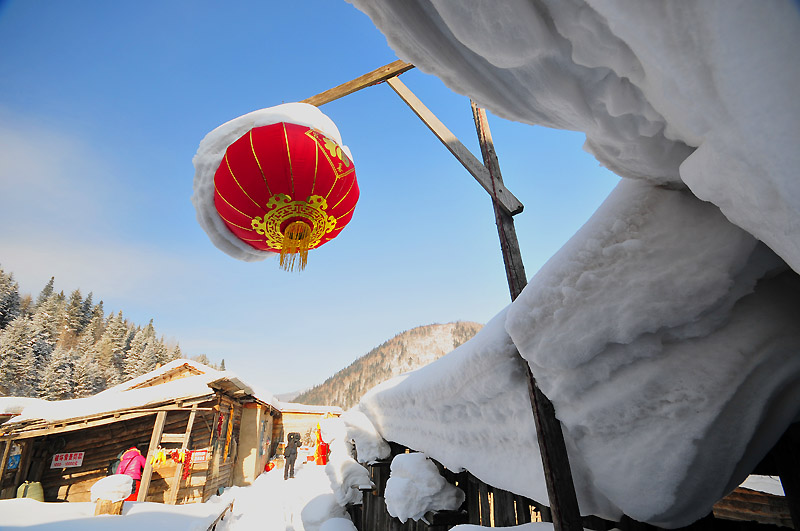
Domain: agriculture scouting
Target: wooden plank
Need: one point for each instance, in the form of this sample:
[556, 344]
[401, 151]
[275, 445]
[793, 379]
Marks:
[372, 78]
[486, 510]
[505, 514]
[147, 473]
[176, 479]
[506, 199]
[557, 472]
[523, 509]
[172, 438]
[473, 500]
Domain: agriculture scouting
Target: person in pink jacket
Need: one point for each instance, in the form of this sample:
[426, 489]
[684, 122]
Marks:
[132, 463]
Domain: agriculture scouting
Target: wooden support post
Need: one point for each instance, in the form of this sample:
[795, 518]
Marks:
[376, 76]
[155, 438]
[557, 472]
[172, 496]
[506, 199]
[3, 465]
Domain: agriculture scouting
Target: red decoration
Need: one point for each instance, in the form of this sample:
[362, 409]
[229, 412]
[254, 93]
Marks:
[285, 188]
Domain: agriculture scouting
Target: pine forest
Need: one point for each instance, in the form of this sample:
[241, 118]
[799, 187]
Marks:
[58, 347]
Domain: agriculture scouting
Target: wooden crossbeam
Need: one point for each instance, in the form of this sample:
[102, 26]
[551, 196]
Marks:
[506, 199]
[376, 76]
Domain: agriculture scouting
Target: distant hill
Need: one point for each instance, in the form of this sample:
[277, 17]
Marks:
[404, 352]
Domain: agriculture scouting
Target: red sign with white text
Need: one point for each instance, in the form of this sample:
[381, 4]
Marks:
[199, 456]
[67, 460]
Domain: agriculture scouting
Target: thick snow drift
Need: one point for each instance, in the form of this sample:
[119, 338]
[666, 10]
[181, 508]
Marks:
[665, 332]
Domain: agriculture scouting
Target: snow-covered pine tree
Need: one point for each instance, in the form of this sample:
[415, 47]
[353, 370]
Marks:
[10, 307]
[16, 353]
[87, 376]
[58, 378]
[111, 348]
[45, 294]
[87, 311]
[71, 321]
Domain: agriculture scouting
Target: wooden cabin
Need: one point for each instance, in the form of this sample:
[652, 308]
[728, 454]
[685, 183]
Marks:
[201, 430]
[300, 418]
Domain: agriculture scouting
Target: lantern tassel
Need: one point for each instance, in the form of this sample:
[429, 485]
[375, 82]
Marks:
[294, 250]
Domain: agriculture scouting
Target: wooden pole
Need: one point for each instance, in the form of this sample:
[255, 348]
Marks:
[555, 461]
[376, 76]
[155, 439]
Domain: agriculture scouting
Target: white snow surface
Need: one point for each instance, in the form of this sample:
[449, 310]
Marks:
[768, 484]
[416, 487]
[665, 331]
[671, 369]
[305, 503]
[346, 475]
[211, 151]
[369, 444]
[698, 94]
[113, 488]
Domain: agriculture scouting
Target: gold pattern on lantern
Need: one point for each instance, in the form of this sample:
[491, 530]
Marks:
[281, 208]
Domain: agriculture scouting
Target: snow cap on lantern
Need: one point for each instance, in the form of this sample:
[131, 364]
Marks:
[276, 180]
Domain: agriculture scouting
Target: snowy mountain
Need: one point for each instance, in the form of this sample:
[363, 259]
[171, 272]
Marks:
[405, 352]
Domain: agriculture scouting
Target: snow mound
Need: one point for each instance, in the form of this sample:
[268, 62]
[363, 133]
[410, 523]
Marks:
[416, 487]
[113, 488]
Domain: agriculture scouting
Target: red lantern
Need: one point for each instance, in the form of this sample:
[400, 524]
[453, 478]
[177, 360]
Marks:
[285, 188]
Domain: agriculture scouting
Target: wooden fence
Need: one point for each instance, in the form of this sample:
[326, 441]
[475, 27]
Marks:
[489, 506]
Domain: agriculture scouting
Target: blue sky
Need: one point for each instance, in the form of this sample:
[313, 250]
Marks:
[103, 105]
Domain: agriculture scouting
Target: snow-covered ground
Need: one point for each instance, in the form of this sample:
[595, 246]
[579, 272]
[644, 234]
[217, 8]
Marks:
[300, 504]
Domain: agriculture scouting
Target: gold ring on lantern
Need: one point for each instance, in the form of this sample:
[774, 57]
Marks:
[294, 227]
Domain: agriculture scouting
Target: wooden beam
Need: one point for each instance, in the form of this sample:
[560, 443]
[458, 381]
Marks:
[376, 76]
[155, 438]
[505, 199]
[555, 461]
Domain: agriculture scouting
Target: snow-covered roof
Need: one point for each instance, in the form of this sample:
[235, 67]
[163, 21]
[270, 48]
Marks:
[193, 381]
[665, 331]
[294, 407]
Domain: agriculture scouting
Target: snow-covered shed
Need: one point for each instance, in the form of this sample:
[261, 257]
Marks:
[201, 429]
